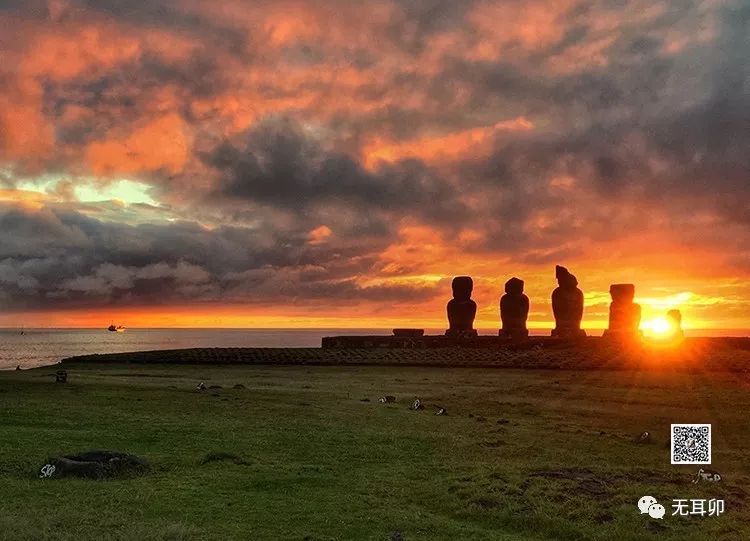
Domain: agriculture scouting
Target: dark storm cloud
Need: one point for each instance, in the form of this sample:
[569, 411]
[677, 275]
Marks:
[418, 20]
[67, 259]
[279, 165]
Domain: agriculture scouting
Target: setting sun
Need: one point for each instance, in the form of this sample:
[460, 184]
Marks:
[658, 326]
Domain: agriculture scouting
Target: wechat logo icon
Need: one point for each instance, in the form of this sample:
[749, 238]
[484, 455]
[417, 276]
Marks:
[649, 505]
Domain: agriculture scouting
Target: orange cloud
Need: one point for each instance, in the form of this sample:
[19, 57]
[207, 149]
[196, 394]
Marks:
[473, 142]
[160, 144]
[319, 235]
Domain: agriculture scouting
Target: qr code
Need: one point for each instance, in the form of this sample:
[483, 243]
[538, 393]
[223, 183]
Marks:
[691, 444]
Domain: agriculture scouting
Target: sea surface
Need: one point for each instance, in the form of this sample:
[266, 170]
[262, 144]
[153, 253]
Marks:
[38, 347]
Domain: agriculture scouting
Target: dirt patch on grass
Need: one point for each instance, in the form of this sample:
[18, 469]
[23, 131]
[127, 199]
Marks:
[587, 481]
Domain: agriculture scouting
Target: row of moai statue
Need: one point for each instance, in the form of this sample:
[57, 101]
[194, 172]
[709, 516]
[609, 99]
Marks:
[567, 307]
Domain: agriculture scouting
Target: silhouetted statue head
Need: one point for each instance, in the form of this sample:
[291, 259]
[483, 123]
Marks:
[462, 287]
[514, 286]
[514, 309]
[675, 317]
[461, 309]
[624, 293]
[624, 314]
[565, 278]
[567, 305]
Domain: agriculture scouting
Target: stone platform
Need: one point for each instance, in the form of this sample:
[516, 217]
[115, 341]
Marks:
[441, 341]
[594, 353]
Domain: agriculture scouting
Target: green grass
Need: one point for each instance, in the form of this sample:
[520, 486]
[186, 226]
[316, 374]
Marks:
[297, 453]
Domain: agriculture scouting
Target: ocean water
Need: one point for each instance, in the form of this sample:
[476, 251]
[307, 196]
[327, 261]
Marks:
[39, 347]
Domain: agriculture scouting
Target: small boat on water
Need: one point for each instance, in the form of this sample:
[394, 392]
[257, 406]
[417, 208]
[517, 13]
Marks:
[119, 328]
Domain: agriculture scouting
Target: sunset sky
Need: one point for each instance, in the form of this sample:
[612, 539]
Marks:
[335, 163]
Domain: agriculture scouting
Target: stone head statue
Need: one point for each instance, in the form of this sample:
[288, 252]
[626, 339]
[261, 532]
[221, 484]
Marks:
[624, 293]
[461, 309]
[514, 286]
[462, 287]
[564, 278]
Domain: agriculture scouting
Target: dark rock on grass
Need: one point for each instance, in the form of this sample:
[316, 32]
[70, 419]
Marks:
[214, 387]
[364, 399]
[221, 456]
[387, 399]
[503, 421]
[643, 438]
[396, 535]
[95, 465]
[238, 386]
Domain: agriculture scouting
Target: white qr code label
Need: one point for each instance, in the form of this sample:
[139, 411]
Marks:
[691, 444]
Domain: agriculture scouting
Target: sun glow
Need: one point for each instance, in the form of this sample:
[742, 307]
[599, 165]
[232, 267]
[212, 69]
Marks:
[659, 326]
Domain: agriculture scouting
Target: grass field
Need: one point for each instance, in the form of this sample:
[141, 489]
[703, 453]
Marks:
[522, 454]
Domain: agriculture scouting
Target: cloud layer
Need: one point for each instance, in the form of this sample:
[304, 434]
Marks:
[330, 155]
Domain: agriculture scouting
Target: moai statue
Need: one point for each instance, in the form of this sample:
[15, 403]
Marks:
[675, 320]
[624, 314]
[514, 309]
[461, 309]
[567, 305]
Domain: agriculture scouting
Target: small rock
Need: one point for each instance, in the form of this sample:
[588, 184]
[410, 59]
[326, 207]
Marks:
[503, 421]
[416, 405]
[61, 376]
[644, 437]
[214, 386]
[201, 386]
[238, 386]
[364, 399]
[387, 399]
[441, 411]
